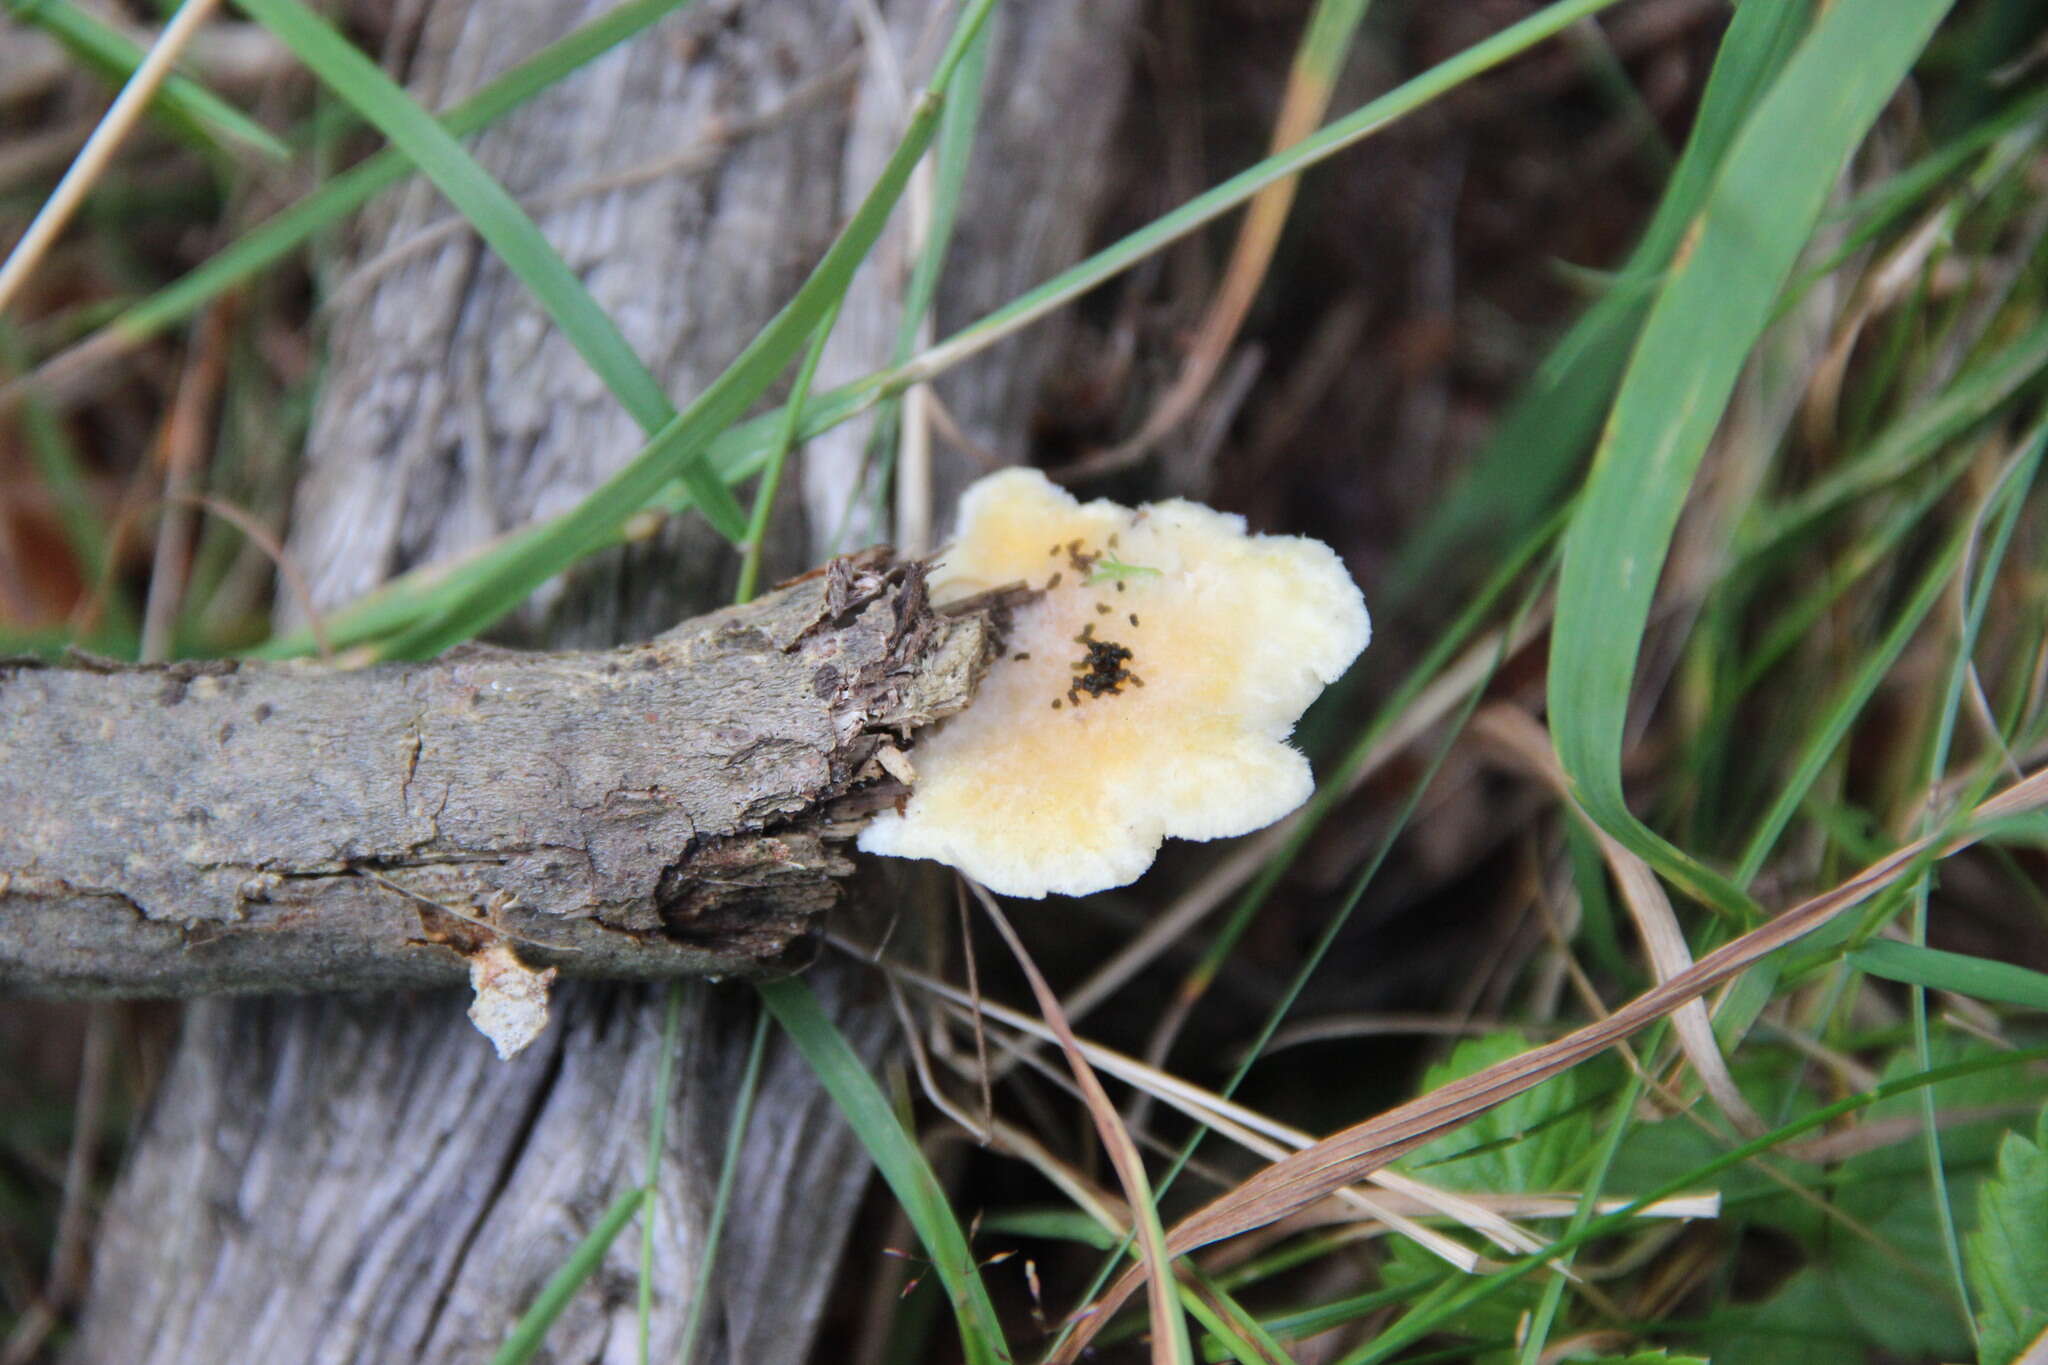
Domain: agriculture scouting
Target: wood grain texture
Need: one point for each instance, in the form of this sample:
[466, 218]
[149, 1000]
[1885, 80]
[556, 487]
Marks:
[646, 812]
[358, 1179]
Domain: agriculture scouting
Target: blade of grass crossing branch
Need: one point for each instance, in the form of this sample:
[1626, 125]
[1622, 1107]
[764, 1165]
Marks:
[281, 234]
[1526, 465]
[771, 477]
[683, 442]
[1710, 312]
[500, 221]
[897, 1156]
[188, 107]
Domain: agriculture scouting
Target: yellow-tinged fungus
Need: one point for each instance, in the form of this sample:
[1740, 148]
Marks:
[1096, 738]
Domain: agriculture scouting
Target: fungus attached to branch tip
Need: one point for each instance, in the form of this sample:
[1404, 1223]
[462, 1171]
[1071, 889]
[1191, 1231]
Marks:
[1068, 771]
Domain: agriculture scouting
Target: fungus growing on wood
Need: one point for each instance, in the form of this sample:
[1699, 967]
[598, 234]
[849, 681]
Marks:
[1098, 737]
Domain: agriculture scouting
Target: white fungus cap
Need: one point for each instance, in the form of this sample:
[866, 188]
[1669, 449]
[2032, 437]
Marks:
[1075, 761]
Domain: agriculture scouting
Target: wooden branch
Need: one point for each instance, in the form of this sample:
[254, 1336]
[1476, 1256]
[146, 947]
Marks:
[654, 811]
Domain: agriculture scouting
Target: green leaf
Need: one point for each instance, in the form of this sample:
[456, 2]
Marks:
[1525, 1145]
[1804, 1323]
[721, 1201]
[1886, 1191]
[500, 221]
[1718, 297]
[2007, 1256]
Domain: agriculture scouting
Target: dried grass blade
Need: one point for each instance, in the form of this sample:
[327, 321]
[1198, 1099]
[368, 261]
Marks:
[1169, 1328]
[1404, 1199]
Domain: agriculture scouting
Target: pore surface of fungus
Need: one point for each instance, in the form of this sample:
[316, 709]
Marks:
[1147, 691]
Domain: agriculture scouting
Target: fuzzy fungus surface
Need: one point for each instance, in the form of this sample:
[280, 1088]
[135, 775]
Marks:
[1148, 691]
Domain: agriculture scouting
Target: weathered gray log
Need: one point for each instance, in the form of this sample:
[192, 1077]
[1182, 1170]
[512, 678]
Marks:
[360, 1179]
[639, 813]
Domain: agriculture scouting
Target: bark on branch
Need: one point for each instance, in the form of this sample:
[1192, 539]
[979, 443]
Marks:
[652, 811]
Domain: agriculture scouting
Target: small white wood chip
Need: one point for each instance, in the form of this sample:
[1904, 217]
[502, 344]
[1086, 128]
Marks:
[511, 1005]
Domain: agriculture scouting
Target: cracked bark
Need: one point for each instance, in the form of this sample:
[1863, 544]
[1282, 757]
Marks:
[653, 811]
[357, 1178]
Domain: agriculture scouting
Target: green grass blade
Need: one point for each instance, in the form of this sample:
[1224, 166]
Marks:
[771, 477]
[1936, 970]
[951, 160]
[61, 467]
[1975, 395]
[2011, 488]
[1239, 1335]
[1882, 206]
[500, 221]
[186, 106]
[527, 1334]
[897, 1156]
[1211, 204]
[1712, 309]
[1842, 713]
[1336, 785]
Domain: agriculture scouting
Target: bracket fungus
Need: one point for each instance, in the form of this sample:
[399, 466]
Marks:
[1148, 690]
